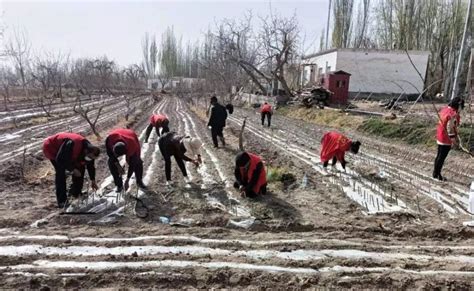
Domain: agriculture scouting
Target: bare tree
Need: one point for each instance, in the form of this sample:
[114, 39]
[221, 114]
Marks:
[235, 40]
[341, 34]
[168, 57]
[133, 75]
[7, 81]
[150, 56]
[82, 75]
[87, 114]
[18, 48]
[362, 24]
[104, 69]
[279, 38]
[128, 102]
[48, 71]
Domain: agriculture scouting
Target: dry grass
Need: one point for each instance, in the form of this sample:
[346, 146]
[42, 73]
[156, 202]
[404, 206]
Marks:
[328, 117]
[200, 112]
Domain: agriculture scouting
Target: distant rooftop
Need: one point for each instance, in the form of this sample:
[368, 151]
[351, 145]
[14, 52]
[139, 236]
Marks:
[412, 52]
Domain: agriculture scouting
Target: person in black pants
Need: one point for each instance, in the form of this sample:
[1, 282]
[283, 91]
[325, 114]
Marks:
[217, 119]
[157, 121]
[121, 142]
[182, 148]
[443, 151]
[446, 133]
[70, 153]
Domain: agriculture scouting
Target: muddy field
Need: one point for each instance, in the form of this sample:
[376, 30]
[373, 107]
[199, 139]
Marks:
[382, 224]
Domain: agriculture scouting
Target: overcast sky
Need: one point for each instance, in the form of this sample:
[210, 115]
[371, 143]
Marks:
[93, 28]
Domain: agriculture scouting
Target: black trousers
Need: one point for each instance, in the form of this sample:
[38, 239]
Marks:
[269, 118]
[217, 131]
[167, 157]
[60, 181]
[135, 165]
[334, 161]
[443, 151]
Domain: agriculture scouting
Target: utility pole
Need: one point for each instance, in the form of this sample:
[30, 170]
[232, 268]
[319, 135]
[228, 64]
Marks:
[461, 50]
[327, 25]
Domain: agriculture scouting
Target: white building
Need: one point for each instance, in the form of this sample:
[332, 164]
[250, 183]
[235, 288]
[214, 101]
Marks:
[372, 71]
[172, 83]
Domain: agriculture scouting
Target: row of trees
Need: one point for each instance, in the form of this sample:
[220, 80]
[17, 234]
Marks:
[48, 74]
[236, 52]
[431, 25]
[258, 52]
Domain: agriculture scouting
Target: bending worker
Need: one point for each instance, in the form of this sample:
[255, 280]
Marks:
[250, 175]
[157, 121]
[70, 152]
[217, 118]
[446, 133]
[121, 142]
[183, 148]
[266, 111]
[334, 146]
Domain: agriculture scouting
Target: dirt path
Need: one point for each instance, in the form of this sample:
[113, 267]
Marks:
[297, 236]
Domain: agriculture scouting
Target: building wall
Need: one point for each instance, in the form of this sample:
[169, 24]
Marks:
[323, 62]
[377, 71]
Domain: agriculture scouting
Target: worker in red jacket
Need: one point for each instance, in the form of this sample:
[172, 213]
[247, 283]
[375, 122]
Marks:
[446, 133]
[157, 121]
[250, 175]
[121, 142]
[266, 111]
[334, 146]
[70, 153]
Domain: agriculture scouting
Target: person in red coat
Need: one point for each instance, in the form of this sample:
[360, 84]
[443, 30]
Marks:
[446, 133]
[266, 111]
[119, 142]
[250, 175]
[334, 146]
[157, 121]
[70, 153]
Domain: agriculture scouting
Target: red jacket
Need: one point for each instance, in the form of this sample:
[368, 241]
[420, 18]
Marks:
[158, 119]
[262, 179]
[446, 114]
[266, 108]
[126, 136]
[52, 144]
[334, 144]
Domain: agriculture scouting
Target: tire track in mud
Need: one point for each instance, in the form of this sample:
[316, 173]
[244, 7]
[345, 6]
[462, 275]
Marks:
[404, 177]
